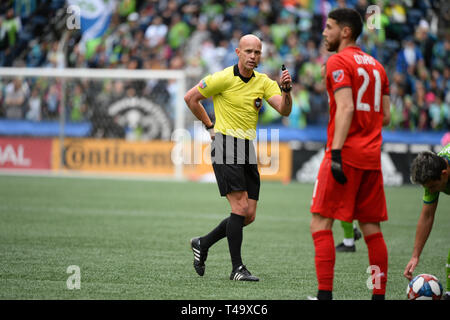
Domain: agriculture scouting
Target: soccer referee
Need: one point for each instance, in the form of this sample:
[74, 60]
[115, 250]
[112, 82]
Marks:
[237, 93]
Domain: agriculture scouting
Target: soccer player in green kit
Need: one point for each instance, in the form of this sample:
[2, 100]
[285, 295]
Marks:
[351, 234]
[432, 172]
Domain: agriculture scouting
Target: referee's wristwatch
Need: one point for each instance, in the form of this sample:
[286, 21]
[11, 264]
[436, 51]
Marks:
[210, 130]
[286, 89]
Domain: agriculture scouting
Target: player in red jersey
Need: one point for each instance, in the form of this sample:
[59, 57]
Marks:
[349, 184]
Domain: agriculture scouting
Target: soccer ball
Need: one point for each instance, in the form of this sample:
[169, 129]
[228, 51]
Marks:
[424, 287]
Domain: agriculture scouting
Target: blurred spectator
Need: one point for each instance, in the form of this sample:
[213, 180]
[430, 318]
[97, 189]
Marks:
[156, 32]
[319, 104]
[216, 33]
[439, 112]
[55, 57]
[201, 36]
[198, 36]
[282, 28]
[176, 63]
[397, 94]
[310, 74]
[16, 93]
[77, 104]
[419, 98]
[233, 42]
[311, 52]
[36, 56]
[34, 106]
[52, 101]
[11, 26]
[212, 56]
[441, 54]
[426, 42]
[300, 107]
[409, 56]
[178, 33]
[409, 115]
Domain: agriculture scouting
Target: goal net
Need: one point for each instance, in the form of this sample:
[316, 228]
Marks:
[95, 120]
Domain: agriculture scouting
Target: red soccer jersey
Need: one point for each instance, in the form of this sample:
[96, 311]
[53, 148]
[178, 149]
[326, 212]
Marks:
[367, 78]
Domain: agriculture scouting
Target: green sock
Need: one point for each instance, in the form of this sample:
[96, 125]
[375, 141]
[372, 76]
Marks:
[348, 229]
[448, 272]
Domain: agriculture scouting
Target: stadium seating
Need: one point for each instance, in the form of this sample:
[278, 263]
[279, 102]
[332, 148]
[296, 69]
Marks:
[200, 37]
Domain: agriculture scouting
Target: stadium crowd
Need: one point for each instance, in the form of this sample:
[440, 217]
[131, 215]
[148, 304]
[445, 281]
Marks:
[200, 36]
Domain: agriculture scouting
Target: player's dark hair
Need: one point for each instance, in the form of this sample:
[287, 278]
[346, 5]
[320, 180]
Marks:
[346, 17]
[427, 166]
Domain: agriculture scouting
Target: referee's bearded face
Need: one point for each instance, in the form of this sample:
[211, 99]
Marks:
[332, 35]
[249, 52]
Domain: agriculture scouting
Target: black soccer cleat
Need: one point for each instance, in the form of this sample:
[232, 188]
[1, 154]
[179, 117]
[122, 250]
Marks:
[199, 257]
[242, 274]
[356, 234]
[322, 295]
[341, 247]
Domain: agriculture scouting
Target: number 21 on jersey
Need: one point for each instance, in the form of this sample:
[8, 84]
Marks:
[377, 94]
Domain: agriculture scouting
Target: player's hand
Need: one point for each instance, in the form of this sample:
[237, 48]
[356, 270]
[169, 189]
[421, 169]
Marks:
[336, 166]
[285, 79]
[410, 268]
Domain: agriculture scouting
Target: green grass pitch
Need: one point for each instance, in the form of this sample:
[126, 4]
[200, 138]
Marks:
[130, 240]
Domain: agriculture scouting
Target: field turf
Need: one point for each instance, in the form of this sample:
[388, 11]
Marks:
[130, 240]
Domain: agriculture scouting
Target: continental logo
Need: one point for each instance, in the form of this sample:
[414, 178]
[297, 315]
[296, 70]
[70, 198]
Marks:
[152, 157]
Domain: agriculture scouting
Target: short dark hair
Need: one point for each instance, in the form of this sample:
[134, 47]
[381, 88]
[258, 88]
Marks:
[346, 17]
[427, 166]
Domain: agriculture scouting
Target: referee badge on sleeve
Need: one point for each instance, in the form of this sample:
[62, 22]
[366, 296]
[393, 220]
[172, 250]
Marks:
[202, 84]
[258, 103]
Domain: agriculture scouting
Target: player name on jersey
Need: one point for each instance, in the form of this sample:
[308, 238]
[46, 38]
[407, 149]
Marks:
[363, 59]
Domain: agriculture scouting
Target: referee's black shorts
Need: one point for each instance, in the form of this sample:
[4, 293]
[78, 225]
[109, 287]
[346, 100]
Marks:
[235, 166]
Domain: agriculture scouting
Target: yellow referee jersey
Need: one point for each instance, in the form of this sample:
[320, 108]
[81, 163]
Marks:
[237, 100]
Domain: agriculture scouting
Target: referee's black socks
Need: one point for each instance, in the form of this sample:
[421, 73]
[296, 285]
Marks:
[234, 236]
[215, 235]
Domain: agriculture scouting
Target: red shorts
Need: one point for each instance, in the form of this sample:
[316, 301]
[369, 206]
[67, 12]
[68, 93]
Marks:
[361, 198]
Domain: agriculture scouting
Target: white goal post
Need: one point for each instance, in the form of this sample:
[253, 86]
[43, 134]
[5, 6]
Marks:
[66, 77]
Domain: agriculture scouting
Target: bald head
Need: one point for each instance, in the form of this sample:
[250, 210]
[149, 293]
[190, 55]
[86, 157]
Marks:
[249, 39]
